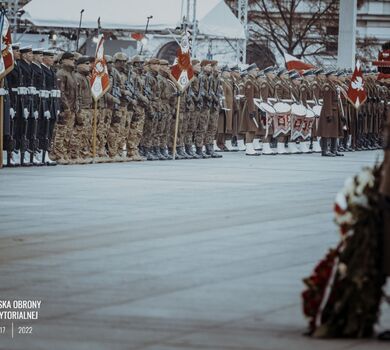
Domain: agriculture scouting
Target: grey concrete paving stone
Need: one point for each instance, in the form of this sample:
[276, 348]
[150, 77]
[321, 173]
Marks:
[178, 255]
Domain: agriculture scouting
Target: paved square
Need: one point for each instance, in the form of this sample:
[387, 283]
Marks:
[202, 254]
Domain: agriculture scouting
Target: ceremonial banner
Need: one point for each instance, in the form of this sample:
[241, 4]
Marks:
[293, 63]
[7, 57]
[100, 80]
[357, 93]
[182, 70]
[182, 74]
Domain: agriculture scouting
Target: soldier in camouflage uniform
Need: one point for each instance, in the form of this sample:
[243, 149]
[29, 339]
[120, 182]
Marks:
[168, 99]
[153, 112]
[138, 119]
[81, 142]
[205, 110]
[120, 113]
[106, 105]
[64, 128]
[216, 94]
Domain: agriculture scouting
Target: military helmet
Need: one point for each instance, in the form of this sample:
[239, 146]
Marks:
[120, 56]
[138, 59]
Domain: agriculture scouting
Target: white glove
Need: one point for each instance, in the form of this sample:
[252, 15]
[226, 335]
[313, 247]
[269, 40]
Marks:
[12, 113]
[3, 92]
[47, 115]
[36, 114]
[26, 113]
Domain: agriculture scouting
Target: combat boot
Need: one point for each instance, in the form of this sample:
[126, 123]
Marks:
[10, 161]
[333, 148]
[158, 154]
[181, 151]
[177, 155]
[210, 151]
[165, 153]
[267, 150]
[149, 154]
[199, 152]
[46, 159]
[190, 152]
[141, 151]
[241, 145]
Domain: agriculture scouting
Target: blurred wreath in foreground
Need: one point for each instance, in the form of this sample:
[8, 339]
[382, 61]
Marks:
[344, 292]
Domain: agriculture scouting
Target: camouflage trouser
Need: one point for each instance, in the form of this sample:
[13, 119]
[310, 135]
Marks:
[135, 132]
[201, 128]
[162, 129]
[63, 135]
[103, 124]
[126, 129]
[191, 127]
[81, 143]
[149, 132]
[180, 136]
[167, 132]
[212, 128]
[118, 122]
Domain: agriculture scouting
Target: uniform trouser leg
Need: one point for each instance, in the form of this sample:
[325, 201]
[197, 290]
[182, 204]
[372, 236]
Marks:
[101, 131]
[184, 129]
[135, 132]
[249, 136]
[180, 136]
[166, 131]
[125, 130]
[201, 128]
[149, 132]
[324, 144]
[77, 139]
[63, 135]
[212, 127]
[115, 131]
[106, 125]
[80, 143]
[160, 127]
[191, 128]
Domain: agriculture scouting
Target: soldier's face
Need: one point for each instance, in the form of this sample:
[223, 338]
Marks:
[165, 68]
[207, 68]
[48, 60]
[16, 54]
[155, 67]
[85, 67]
[121, 65]
[271, 75]
[28, 56]
[68, 62]
[38, 58]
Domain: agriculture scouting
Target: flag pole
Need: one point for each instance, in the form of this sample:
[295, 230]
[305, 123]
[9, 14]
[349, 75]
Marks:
[1, 124]
[176, 126]
[94, 135]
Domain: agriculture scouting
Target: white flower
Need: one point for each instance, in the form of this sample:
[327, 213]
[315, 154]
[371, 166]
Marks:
[341, 201]
[360, 200]
[365, 178]
[349, 186]
[346, 218]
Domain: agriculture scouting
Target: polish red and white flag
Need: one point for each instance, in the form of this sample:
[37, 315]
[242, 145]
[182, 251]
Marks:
[181, 69]
[7, 57]
[356, 92]
[100, 80]
[294, 63]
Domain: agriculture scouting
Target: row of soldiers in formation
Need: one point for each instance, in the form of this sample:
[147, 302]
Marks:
[49, 111]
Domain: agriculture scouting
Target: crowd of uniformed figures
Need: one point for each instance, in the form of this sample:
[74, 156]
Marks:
[49, 111]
